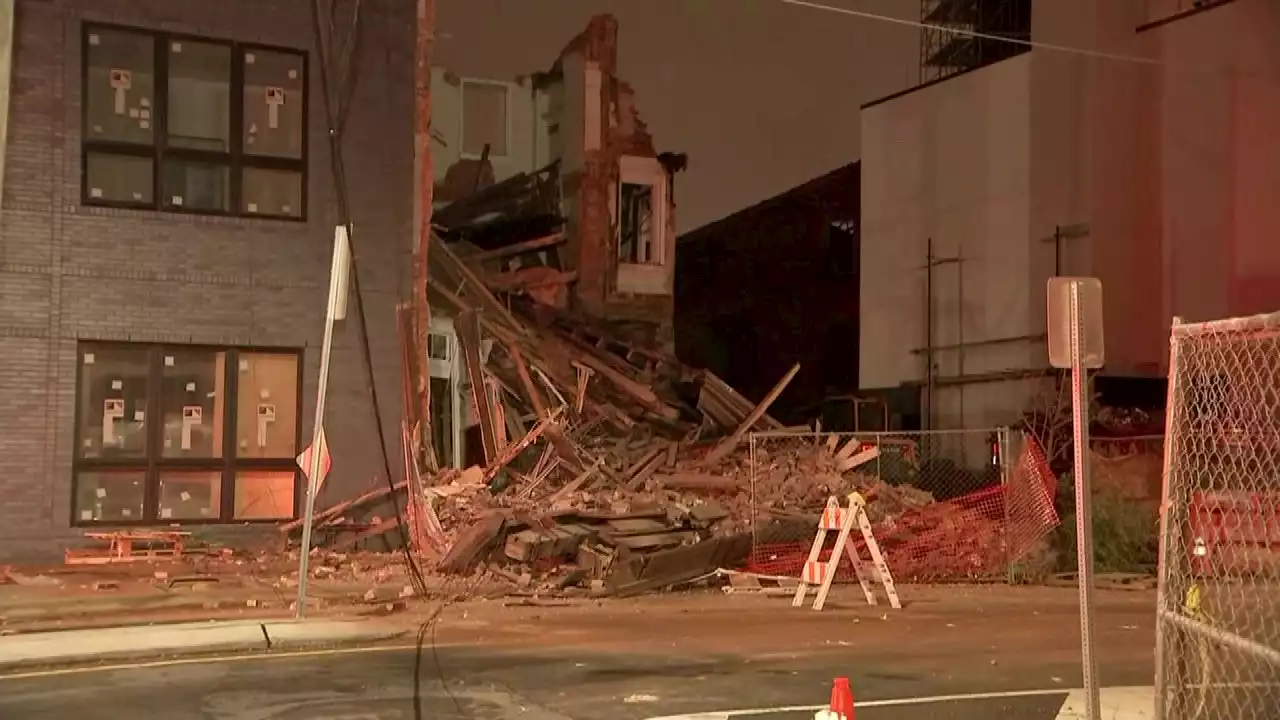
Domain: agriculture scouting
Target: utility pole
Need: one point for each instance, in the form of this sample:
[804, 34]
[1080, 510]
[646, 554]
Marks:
[426, 186]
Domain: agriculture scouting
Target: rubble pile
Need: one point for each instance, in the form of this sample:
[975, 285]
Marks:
[608, 465]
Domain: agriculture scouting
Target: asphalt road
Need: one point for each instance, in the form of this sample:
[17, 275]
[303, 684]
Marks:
[472, 684]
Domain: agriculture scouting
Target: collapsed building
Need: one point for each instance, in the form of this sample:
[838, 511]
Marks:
[574, 449]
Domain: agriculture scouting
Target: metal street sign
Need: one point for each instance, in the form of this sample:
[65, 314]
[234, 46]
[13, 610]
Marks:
[1075, 341]
[305, 462]
[1089, 296]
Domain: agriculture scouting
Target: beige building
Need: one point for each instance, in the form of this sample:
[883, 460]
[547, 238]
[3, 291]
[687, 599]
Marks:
[1153, 159]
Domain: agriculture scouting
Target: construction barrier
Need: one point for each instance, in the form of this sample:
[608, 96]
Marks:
[822, 573]
[979, 535]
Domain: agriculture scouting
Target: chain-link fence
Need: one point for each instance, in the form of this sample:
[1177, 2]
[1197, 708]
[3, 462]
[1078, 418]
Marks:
[945, 505]
[1218, 631]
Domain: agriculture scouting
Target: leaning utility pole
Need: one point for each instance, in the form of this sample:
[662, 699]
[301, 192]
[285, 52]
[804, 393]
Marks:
[426, 186]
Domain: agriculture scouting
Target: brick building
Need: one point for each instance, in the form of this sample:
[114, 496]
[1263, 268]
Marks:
[165, 238]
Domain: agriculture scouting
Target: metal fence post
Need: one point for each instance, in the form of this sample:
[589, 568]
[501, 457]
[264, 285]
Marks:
[1166, 497]
[1002, 452]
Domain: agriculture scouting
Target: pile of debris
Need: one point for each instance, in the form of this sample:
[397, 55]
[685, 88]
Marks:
[607, 463]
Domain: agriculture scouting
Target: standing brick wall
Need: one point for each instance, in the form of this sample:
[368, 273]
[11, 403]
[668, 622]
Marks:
[70, 272]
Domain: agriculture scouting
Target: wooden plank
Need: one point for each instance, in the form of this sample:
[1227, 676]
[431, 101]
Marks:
[654, 540]
[636, 526]
[475, 287]
[468, 327]
[334, 511]
[726, 446]
[353, 540]
[516, 280]
[564, 448]
[697, 481]
[517, 249]
[641, 393]
[730, 400]
[473, 542]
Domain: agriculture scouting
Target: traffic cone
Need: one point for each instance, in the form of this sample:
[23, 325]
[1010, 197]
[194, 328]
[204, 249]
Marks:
[841, 702]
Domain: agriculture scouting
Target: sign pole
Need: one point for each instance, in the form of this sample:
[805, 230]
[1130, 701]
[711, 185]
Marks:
[1084, 514]
[337, 297]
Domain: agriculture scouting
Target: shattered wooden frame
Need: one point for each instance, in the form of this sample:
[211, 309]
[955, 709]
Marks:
[151, 464]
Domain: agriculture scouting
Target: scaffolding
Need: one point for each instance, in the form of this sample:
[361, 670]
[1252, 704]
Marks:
[947, 39]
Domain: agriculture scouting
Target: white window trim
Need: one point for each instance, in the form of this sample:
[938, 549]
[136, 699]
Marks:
[462, 117]
[634, 170]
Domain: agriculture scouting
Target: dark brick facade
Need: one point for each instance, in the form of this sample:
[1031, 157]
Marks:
[70, 272]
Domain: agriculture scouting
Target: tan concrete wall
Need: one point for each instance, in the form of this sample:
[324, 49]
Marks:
[950, 162]
[1218, 111]
[1171, 167]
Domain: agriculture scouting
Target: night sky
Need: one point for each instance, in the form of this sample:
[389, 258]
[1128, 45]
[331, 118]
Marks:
[762, 96]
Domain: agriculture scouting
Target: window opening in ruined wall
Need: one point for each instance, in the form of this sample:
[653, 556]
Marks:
[485, 118]
[192, 125]
[193, 434]
[638, 210]
[635, 220]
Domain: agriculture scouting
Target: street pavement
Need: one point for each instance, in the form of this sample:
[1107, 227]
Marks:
[456, 683]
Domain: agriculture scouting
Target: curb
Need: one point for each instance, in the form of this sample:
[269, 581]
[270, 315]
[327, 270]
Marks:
[71, 647]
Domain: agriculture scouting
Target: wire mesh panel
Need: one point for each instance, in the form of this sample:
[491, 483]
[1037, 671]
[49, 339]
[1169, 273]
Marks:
[1218, 636]
[945, 506]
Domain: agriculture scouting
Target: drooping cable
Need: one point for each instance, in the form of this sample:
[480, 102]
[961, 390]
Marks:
[338, 170]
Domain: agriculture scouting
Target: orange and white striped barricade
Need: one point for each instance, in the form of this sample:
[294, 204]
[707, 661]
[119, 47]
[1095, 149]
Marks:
[823, 572]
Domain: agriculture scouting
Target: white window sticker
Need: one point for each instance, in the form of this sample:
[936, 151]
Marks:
[88, 358]
[86, 514]
[166, 512]
[253, 207]
[191, 387]
[102, 492]
[95, 192]
[94, 39]
[168, 361]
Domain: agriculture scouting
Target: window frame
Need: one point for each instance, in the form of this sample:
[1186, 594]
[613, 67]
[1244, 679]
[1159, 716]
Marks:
[153, 464]
[462, 117]
[642, 171]
[236, 160]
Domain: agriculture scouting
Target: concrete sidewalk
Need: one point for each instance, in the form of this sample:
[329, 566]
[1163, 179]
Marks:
[80, 646]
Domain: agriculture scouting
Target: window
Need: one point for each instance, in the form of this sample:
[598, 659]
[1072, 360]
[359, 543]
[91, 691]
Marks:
[639, 209]
[484, 118]
[197, 126]
[194, 434]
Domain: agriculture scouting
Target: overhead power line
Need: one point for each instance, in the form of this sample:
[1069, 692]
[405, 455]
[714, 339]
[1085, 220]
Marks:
[1052, 47]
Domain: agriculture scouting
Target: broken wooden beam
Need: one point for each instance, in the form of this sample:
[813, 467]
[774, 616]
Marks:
[726, 446]
[468, 328]
[696, 481]
[519, 248]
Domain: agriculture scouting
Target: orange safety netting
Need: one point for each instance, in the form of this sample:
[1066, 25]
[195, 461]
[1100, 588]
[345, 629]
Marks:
[975, 536]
